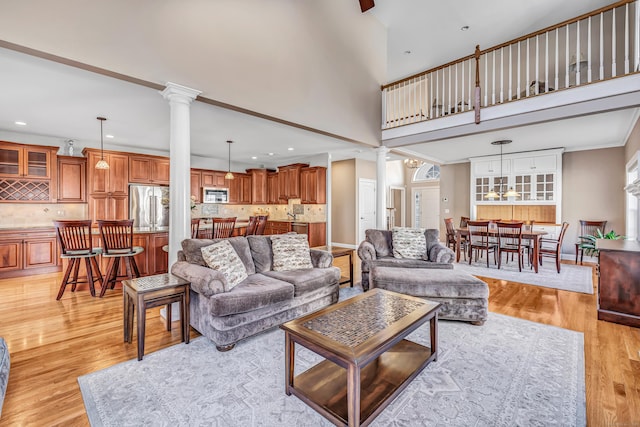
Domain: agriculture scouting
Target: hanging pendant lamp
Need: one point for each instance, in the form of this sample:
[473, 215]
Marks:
[102, 163]
[493, 194]
[229, 175]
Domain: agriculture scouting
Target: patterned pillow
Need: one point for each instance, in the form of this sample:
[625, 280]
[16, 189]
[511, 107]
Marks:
[222, 257]
[409, 243]
[290, 252]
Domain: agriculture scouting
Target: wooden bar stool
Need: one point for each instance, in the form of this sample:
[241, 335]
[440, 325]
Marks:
[74, 238]
[117, 242]
[223, 227]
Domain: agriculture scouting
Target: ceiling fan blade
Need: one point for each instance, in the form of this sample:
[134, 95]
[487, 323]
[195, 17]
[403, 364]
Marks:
[366, 5]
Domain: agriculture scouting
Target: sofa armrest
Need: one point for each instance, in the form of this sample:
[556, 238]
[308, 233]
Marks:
[441, 254]
[366, 251]
[320, 259]
[204, 280]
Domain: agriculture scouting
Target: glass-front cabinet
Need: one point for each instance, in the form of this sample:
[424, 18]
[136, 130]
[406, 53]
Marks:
[536, 176]
[20, 161]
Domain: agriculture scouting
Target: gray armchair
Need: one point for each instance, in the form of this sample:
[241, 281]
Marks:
[377, 250]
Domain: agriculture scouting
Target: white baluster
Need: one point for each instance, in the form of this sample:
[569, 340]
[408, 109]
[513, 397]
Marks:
[455, 99]
[501, 74]
[557, 79]
[469, 86]
[546, 62]
[449, 95]
[384, 108]
[537, 87]
[444, 96]
[626, 38]
[493, 78]
[613, 44]
[462, 84]
[578, 81]
[601, 45]
[528, 74]
[510, 74]
[566, 76]
[589, 50]
[518, 67]
[431, 93]
[486, 80]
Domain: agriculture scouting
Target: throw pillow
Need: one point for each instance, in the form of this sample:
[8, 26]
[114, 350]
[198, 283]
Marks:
[290, 252]
[408, 243]
[222, 257]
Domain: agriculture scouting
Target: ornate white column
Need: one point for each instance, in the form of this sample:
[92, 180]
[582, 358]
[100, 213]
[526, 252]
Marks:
[180, 98]
[329, 204]
[381, 187]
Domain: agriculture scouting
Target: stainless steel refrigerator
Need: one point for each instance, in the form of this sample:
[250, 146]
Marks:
[149, 206]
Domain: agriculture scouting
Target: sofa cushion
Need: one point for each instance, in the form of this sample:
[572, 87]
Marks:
[191, 249]
[409, 243]
[381, 241]
[5, 361]
[222, 257]
[307, 280]
[261, 252]
[290, 252]
[254, 292]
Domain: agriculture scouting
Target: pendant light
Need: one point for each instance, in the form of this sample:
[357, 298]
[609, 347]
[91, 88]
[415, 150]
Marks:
[229, 175]
[511, 192]
[102, 163]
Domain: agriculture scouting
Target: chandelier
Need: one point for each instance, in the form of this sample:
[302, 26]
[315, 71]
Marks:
[493, 194]
[413, 163]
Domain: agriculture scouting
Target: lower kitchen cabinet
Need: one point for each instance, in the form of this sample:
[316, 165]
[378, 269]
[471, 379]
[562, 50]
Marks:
[26, 252]
[316, 231]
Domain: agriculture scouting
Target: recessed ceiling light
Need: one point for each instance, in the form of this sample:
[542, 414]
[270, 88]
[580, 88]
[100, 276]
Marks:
[271, 154]
[465, 28]
[290, 148]
[407, 52]
[19, 123]
[253, 157]
[109, 136]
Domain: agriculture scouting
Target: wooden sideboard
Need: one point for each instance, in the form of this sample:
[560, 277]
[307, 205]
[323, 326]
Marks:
[619, 281]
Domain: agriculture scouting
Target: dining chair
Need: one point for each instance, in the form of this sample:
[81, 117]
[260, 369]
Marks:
[75, 242]
[204, 231]
[552, 248]
[195, 227]
[251, 227]
[117, 244]
[527, 243]
[587, 228]
[510, 241]
[262, 224]
[464, 220]
[223, 227]
[257, 224]
[451, 233]
[480, 240]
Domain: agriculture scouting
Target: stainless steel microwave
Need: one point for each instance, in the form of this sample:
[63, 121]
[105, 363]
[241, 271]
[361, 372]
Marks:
[215, 195]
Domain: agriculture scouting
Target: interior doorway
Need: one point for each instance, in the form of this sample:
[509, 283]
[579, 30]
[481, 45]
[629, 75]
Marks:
[396, 202]
[425, 207]
[366, 206]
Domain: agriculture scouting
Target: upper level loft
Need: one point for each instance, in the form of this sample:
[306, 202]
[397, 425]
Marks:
[584, 65]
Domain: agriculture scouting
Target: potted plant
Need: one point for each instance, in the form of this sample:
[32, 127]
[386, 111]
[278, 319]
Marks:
[588, 244]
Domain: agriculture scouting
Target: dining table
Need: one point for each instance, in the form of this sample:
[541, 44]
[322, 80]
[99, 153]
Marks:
[533, 235]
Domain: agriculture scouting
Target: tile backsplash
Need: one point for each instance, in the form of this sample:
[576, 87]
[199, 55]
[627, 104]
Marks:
[309, 213]
[39, 214]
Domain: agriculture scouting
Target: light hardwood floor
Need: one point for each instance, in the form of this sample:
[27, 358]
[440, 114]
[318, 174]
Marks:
[53, 342]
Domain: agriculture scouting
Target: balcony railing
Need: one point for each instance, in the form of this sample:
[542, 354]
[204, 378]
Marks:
[594, 47]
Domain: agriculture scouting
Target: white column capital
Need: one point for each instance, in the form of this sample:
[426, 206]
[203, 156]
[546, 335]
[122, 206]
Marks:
[382, 150]
[179, 93]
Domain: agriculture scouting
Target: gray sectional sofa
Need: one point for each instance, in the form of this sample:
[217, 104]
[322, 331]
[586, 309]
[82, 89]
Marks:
[5, 361]
[265, 299]
[377, 250]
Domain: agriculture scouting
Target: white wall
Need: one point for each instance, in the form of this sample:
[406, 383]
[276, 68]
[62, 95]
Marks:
[317, 63]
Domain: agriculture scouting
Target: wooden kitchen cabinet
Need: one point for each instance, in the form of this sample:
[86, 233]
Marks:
[277, 227]
[213, 179]
[273, 190]
[317, 234]
[289, 180]
[239, 188]
[158, 259]
[196, 185]
[26, 161]
[108, 189]
[72, 179]
[313, 185]
[144, 169]
[26, 252]
[258, 186]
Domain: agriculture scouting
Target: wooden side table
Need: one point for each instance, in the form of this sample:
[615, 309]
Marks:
[153, 291]
[337, 252]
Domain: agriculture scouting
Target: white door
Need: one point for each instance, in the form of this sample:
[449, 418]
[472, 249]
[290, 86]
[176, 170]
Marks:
[366, 206]
[426, 207]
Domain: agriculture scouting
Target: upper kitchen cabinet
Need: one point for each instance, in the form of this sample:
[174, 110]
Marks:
[26, 161]
[289, 180]
[196, 185]
[213, 179]
[258, 186]
[239, 188]
[148, 169]
[27, 173]
[72, 179]
[273, 190]
[313, 185]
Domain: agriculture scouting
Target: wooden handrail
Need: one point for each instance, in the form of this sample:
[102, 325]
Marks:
[439, 67]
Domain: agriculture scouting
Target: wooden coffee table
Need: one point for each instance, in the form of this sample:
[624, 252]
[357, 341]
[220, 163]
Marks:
[368, 360]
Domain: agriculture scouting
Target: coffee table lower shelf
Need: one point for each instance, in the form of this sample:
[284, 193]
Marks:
[324, 386]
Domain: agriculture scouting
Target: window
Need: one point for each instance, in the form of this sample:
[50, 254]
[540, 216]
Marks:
[427, 172]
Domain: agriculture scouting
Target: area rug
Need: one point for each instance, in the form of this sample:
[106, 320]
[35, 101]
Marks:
[507, 372]
[576, 278]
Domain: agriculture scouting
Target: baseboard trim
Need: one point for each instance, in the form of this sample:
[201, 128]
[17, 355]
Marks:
[344, 245]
